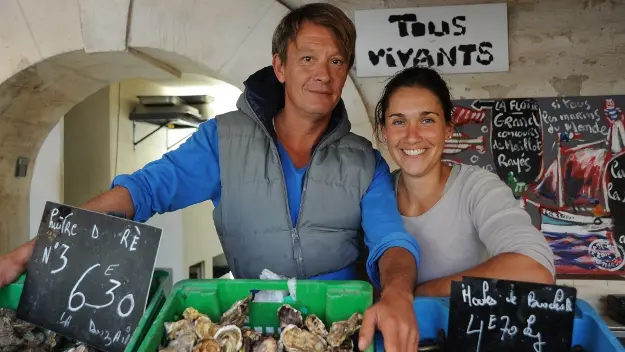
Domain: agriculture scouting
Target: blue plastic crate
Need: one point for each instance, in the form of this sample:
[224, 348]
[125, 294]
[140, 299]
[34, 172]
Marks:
[589, 330]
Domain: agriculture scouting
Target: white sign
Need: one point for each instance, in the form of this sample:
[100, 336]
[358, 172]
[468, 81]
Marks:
[452, 39]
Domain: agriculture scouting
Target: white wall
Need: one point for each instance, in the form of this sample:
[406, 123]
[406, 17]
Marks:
[189, 235]
[47, 182]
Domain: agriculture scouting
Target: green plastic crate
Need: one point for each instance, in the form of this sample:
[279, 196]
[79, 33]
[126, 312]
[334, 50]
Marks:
[330, 300]
[10, 298]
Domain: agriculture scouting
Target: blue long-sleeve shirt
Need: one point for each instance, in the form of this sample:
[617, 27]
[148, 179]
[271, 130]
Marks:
[190, 175]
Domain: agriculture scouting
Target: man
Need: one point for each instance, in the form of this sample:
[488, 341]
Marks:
[292, 187]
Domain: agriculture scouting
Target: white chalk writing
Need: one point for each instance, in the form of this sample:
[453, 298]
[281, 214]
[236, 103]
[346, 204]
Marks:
[64, 321]
[65, 226]
[486, 299]
[479, 332]
[133, 242]
[121, 337]
[83, 301]
[557, 304]
[521, 163]
[538, 345]
[46, 256]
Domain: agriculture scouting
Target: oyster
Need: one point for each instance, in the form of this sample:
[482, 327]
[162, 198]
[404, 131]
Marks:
[205, 328]
[7, 335]
[289, 316]
[294, 339]
[251, 334]
[191, 314]
[316, 326]
[21, 327]
[207, 345]
[230, 338]
[34, 339]
[237, 313]
[341, 330]
[250, 337]
[346, 346]
[178, 328]
[80, 348]
[183, 342]
[266, 344]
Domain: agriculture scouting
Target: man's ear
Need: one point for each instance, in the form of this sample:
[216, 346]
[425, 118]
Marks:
[278, 67]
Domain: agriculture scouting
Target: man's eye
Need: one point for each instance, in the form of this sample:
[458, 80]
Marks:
[337, 62]
[307, 58]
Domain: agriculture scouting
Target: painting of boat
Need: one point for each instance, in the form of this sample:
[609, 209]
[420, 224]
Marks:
[569, 197]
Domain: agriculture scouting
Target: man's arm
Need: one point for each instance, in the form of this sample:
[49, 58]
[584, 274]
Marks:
[185, 176]
[384, 230]
[519, 251]
[393, 260]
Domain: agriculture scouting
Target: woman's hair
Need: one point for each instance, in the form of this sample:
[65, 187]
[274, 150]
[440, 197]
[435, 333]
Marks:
[417, 76]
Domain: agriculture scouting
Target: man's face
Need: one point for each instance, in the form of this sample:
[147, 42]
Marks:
[315, 71]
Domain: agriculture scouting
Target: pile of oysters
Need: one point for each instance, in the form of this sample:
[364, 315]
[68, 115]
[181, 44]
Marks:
[18, 335]
[197, 333]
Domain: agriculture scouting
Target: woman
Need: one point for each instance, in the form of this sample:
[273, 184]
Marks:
[465, 219]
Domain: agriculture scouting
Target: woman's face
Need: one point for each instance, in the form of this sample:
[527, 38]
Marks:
[415, 130]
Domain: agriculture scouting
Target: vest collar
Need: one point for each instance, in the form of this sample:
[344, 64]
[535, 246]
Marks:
[263, 98]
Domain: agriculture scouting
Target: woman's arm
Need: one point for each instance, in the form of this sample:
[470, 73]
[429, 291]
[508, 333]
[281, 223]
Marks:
[517, 249]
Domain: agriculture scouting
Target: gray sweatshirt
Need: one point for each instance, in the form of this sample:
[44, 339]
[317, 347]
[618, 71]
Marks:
[476, 218]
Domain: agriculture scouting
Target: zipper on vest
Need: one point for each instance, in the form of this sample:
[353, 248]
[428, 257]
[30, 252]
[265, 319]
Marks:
[301, 202]
[295, 241]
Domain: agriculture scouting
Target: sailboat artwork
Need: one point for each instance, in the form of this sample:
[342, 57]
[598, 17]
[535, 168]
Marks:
[565, 162]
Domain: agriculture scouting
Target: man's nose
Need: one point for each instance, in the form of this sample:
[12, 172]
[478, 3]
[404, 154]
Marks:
[322, 73]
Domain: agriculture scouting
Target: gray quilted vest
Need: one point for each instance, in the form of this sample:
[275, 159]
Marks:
[253, 219]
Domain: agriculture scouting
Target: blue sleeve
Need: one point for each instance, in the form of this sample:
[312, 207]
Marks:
[382, 221]
[182, 177]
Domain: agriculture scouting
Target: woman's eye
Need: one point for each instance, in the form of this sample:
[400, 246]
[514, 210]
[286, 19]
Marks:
[428, 120]
[337, 62]
[398, 122]
[307, 58]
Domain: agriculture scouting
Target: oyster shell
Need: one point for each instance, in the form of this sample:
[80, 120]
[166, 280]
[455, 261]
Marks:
[250, 337]
[178, 328]
[205, 328]
[7, 335]
[230, 338]
[237, 313]
[265, 344]
[183, 342]
[289, 316]
[316, 326]
[341, 330]
[346, 346]
[207, 345]
[294, 339]
[191, 314]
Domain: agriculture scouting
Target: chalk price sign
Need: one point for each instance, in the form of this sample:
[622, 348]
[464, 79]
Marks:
[89, 276]
[499, 315]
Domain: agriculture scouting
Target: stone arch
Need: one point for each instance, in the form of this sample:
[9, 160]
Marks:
[60, 52]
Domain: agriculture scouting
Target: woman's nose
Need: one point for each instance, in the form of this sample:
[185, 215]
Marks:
[414, 133]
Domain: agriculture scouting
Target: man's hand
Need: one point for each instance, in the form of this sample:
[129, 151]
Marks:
[10, 269]
[395, 318]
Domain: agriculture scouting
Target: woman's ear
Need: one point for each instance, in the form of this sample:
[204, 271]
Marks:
[449, 131]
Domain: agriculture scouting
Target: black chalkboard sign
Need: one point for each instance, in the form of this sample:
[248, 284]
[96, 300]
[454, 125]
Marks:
[89, 276]
[500, 315]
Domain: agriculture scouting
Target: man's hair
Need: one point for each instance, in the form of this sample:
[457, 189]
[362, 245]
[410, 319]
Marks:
[321, 14]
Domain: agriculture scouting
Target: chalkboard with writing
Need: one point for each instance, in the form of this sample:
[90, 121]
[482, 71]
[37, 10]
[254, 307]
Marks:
[89, 276]
[556, 155]
[500, 315]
